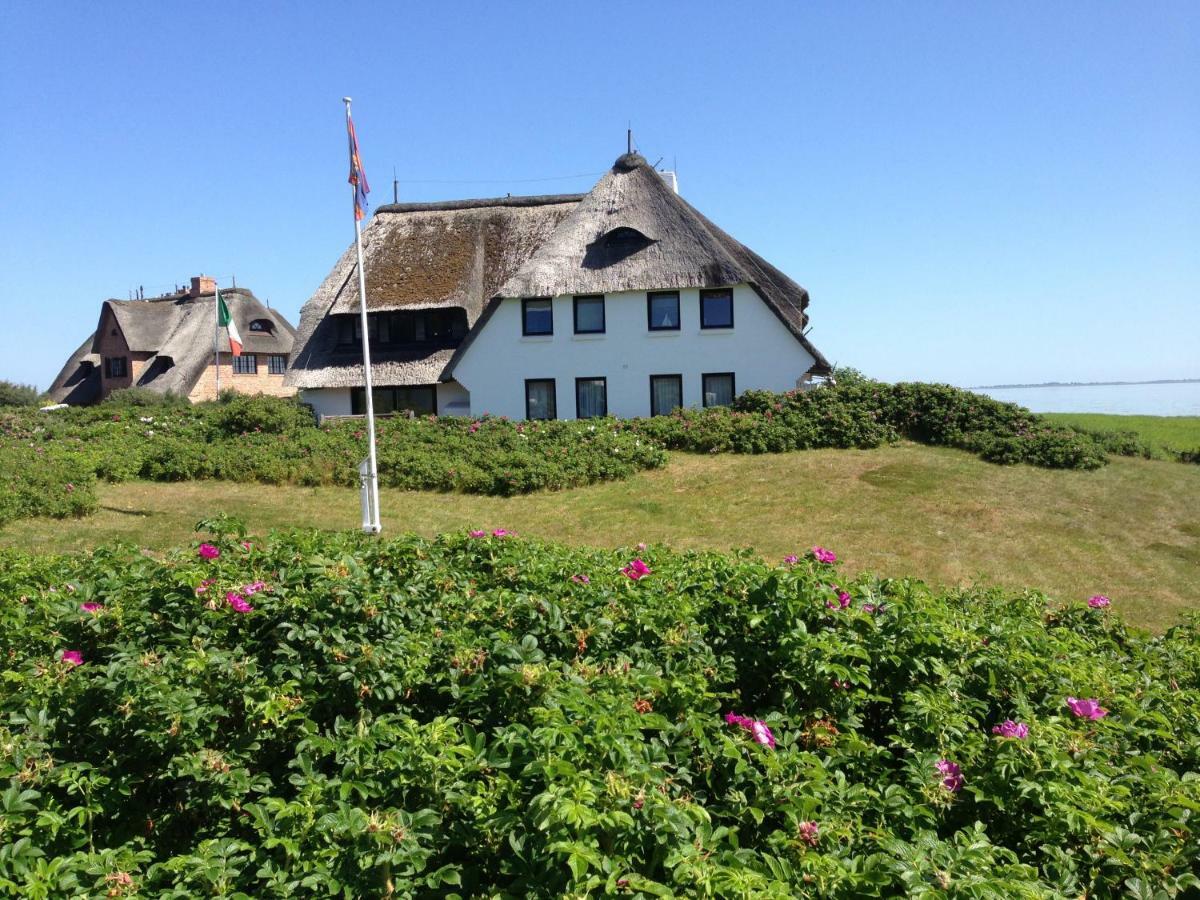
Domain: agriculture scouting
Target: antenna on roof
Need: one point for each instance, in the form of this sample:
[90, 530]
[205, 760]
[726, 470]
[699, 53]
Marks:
[395, 186]
[234, 277]
[629, 140]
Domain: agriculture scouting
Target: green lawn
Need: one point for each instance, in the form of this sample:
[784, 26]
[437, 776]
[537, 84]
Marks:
[1173, 432]
[1130, 530]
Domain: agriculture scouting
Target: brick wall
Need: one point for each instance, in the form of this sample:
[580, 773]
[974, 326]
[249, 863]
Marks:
[262, 383]
[111, 345]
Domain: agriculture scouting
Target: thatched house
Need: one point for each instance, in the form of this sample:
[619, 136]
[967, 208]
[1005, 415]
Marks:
[165, 344]
[621, 301]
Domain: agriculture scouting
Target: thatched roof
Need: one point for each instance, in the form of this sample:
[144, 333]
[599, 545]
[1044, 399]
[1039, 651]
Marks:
[178, 330]
[78, 382]
[632, 232]
[420, 256]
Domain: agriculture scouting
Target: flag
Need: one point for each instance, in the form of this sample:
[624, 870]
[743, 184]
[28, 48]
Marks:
[358, 177]
[225, 320]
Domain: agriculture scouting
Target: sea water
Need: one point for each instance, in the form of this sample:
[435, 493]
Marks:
[1179, 399]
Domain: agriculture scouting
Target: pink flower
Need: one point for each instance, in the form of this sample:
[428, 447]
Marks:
[238, 602]
[581, 579]
[246, 545]
[477, 533]
[1087, 709]
[254, 587]
[809, 832]
[870, 608]
[202, 587]
[791, 559]
[636, 570]
[208, 551]
[821, 555]
[1010, 729]
[74, 657]
[762, 734]
[839, 685]
[641, 547]
[953, 780]
[503, 532]
[732, 718]
[1099, 602]
[70, 487]
[91, 607]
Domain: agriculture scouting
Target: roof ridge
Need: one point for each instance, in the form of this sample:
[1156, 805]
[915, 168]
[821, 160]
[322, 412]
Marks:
[435, 205]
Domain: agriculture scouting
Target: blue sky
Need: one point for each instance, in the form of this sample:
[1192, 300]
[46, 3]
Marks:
[971, 193]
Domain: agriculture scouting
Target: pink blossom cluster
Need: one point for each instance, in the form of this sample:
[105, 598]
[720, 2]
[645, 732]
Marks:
[208, 551]
[821, 555]
[758, 729]
[91, 607]
[810, 832]
[202, 587]
[254, 587]
[1099, 602]
[74, 657]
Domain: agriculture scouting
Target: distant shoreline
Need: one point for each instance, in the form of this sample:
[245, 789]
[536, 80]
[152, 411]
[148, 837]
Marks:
[996, 387]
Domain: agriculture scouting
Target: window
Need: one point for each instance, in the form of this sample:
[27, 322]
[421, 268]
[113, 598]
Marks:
[718, 389]
[246, 364]
[416, 398]
[403, 328]
[276, 364]
[662, 310]
[716, 308]
[591, 397]
[262, 325]
[666, 394]
[540, 402]
[589, 315]
[537, 316]
[115, 367]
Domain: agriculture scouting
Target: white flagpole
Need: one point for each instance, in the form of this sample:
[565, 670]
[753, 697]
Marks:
[373, 526]
[217, 337]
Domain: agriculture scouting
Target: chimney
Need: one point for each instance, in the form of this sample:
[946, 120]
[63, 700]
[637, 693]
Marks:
[202, 284]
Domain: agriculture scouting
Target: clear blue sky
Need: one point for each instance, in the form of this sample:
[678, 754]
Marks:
[971, 193]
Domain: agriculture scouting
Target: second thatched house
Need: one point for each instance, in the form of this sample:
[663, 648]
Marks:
[625, 301]
[165, 344]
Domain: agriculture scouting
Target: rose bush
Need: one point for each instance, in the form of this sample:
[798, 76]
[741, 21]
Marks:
[482, 715]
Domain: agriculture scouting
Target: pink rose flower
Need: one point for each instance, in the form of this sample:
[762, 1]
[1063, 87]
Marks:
[477, 533]
[238, 602]
[1099, 602]
[503, 532]
[74, 657]
[208, 551]
[758, 729]
[821, 555]
[809, 833]
[1086, 709]
[636, 570]
[1011, 729]
[581, 579]
[91, 607]
[791, 559]
[953, 780]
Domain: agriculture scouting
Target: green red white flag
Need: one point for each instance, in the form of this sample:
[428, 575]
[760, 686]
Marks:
[225, 320]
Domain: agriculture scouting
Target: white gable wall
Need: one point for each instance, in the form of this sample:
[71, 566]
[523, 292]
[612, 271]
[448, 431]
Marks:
[760, 351]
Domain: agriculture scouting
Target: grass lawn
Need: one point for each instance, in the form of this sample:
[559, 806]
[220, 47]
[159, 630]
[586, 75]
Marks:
[1175, 432]
[1131, 530]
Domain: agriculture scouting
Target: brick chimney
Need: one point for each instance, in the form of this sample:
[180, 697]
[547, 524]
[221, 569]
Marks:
[202, 284]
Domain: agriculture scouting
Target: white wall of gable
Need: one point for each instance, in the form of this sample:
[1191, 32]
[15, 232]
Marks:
[760, 351]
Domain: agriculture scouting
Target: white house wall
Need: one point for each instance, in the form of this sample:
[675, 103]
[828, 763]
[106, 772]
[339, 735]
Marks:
[760, 351]
[452, 400]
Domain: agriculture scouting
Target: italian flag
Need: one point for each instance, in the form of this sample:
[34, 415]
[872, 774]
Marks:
[225, 320]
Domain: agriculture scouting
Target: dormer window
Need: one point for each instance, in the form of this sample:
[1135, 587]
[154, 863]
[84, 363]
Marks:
[262, 325]
[613, 246]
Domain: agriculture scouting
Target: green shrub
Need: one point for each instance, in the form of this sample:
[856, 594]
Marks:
[468, 717]
[140, 396]
[13, 394]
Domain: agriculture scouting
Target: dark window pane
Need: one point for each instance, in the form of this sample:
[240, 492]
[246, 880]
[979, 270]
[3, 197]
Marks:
[591, 398]
[718, 389]
[276, 364]
[246, 364]
[539, 399]
[538, 317]
[664, 311]
[589, 315]
[666, 394]
[716, 309]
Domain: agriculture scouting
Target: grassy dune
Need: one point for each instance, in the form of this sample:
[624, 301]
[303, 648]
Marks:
[1131, 530]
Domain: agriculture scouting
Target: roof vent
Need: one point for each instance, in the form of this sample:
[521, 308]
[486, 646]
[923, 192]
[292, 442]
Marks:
[627, 162]
[615, 245]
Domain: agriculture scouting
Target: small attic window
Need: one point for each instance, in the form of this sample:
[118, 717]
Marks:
[262, 325]
[614, 246]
